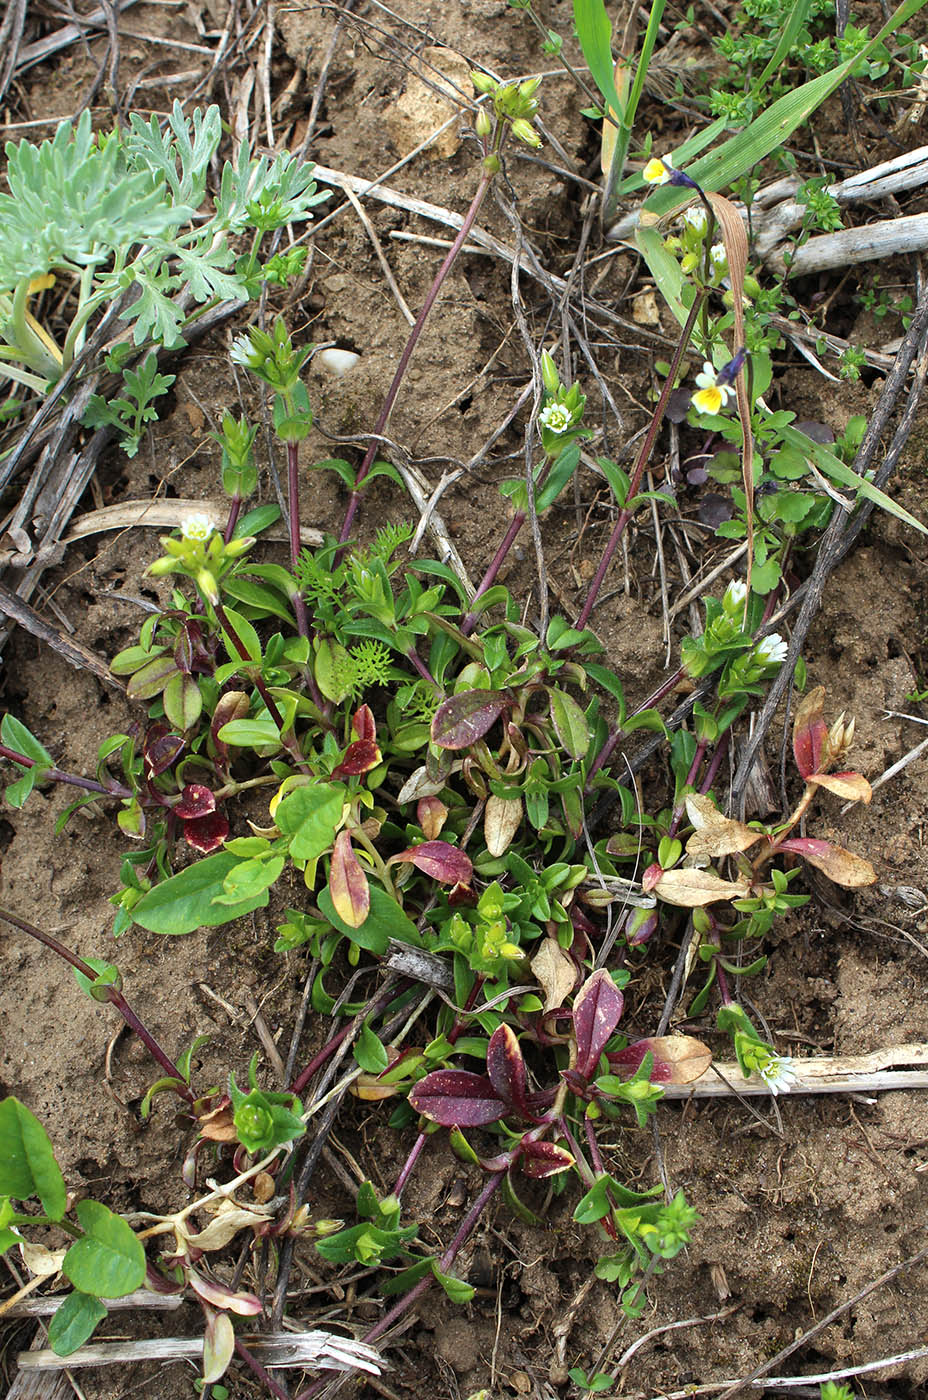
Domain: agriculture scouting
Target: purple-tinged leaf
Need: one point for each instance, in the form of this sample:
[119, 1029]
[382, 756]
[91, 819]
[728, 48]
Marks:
[348, 885]
[245, 1304]
[195, 801]
[440, 860]
[363, 725]
[651, 877]
[678, 1059]
[541, 1159]
[360, 757]
[810, 733]
[506, 1069]
[597, 1011]
[233, 705]
[457, 1098]
[206, 834]
[152, 678]
[431, 814]
[465, 718]
[642, 931]
[842, 867]
[161, 749]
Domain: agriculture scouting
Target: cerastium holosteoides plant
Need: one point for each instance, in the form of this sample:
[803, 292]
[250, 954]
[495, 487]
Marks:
[431, 764]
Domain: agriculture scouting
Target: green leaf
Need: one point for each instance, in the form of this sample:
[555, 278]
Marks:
[569, 722]
[837, 470]
[457, 1290]
[247, 636]
[369, 1051]
[16, 736]
[182, 701]
[309, 816]
[27, 1161]
[250, 878]
[74, 1322]
[386, 920]
[594, 30]
[186, 901]
[250, 733]
[109, 1261]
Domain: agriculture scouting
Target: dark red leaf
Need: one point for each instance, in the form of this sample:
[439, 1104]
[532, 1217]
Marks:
[506, 1069]
[651, 877]
[440, 860]
[625, 1063]
[195, 801]
[465, 718]
[363, 725]
[597, 1011]
[456, 1098]
[233, 705]
[161, 749]
[810, 733]
[360, 757]
[541, 1159]
[206, 834]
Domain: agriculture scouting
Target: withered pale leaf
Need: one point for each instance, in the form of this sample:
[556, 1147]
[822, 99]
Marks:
[40, 1261]
[716, 835]
[842, 867]
[853, 787]
[692, 888]
[554, 972]
[225, 1225]
[501, 820]
[687, 1057]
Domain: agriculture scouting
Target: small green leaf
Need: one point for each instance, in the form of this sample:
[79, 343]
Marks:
[109, 1261]
[457, 1290]
[386, 920]
[74, 1322]
[309, 816]
[27, 1161]
[187, 900]
[369, 1051]
[569, 722]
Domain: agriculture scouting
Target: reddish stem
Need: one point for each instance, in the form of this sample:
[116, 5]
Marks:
[55, 775]
[113, 995]
[647, 447]
[489, 578]
[485, 181]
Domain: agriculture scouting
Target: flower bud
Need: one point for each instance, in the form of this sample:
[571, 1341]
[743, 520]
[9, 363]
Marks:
[523, 131]
[484, 123]
[483, 82]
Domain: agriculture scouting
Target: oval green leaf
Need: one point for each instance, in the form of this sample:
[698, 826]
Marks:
[109, 1261]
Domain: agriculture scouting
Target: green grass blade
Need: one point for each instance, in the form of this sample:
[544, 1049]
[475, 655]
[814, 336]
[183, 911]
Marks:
[620, 150]
[836, 470]
[788, 33]
[773, 127]
[594, 30]
[664, 268]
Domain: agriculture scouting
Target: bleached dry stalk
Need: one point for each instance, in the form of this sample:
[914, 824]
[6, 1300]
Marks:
[820, 1074]
[322, 1349]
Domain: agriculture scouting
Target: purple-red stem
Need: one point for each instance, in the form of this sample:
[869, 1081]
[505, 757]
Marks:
[489, 578]
[485, 181]
[453, 1034]
[235, 509]
[447, 1259]
[264, 1377]
[645, 452]
[331, 1045]
[113, 995]
[55, 775]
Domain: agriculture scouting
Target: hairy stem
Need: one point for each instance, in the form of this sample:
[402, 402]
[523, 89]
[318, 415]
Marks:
[647, 446]
[112, 994]
[486, 180]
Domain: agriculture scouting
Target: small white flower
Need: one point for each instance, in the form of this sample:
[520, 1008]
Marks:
[556, 418]
[197, 526]
[656, 172]
[771, 650]
[735, 594]
[711, 396]
[695, 216]
[778, 1074]
[243, 352]
[718, 255]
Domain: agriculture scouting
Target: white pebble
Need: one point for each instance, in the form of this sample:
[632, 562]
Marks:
[337, 362]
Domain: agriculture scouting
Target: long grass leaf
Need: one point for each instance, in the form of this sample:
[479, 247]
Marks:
[773, 127]
[832, 467]
[594, 30]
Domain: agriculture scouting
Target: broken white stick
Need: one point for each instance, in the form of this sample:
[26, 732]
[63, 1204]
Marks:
[899, 1067]
[324, 1350]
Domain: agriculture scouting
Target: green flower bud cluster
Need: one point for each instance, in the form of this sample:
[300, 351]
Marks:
[201, 554]
[514, 105]
[262, 1120]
